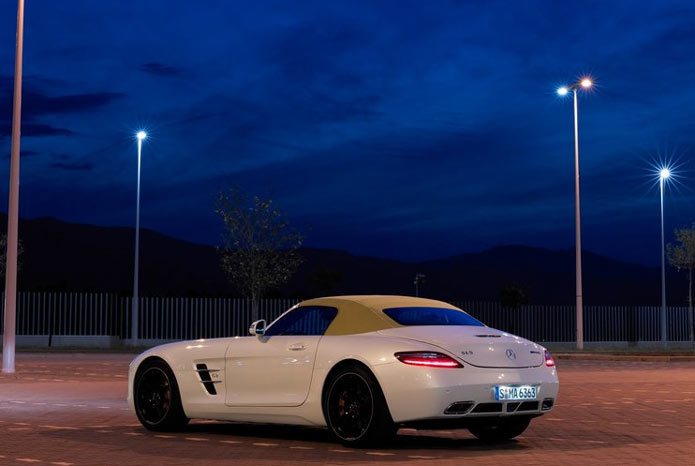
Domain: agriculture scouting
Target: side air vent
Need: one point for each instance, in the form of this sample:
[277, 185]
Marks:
[205, 379]
[460, 407]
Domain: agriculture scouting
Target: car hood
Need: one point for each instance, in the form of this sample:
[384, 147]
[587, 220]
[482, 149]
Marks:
[477, 346]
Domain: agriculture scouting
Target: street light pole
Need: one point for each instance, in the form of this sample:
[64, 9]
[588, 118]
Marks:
[419, 278]
[664, 174]
[586, 83]
[578, 232]
[134, 326]
[8, 342]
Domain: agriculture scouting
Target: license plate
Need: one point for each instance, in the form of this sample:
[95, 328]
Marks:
[516, 392]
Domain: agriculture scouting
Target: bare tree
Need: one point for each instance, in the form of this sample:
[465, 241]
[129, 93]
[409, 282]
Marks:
[514, 296]
[259, 246]
[682, 256]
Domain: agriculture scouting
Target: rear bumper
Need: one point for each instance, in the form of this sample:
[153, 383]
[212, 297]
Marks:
[415, 394]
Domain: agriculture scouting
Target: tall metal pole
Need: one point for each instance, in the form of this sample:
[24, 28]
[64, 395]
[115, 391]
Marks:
[690, 308]
[578, 233]
[664, 333]
[8, 342]
[135, 316]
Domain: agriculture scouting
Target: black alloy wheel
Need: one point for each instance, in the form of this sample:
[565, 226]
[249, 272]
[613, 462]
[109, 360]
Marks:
[157, 399]
[355, 408]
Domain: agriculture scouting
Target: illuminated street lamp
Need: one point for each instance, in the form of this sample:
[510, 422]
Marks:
[664, 175]
[141, 135]
[584, 83]
[8, 340]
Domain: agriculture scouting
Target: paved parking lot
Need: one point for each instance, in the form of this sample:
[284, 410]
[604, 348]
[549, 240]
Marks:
[69, 409]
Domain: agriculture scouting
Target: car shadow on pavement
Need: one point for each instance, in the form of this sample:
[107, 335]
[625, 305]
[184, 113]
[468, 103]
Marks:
[422, 440]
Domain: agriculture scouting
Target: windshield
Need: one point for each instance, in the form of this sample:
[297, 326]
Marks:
[430, 316]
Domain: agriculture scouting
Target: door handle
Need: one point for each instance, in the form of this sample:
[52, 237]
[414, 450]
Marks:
[297, 347]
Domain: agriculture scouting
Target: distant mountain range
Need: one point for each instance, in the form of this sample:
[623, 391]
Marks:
[61, 256]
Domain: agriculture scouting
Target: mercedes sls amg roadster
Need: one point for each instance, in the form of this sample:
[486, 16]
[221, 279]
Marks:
[362, 366]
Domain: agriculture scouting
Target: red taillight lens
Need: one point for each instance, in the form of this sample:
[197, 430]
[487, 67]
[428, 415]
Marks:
[427, 359]
[549, 361]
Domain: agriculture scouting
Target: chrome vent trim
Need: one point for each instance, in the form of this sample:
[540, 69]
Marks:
[205, 379]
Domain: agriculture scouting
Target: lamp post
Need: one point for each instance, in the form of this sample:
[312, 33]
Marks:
[584, 83]
[664, 175]
[136, 315]
[419, 278]
[8, 340]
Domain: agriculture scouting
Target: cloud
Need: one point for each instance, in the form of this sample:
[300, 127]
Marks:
[160, 69]
[73, 166]
[23, 154]
[35, 129]
[34, 103]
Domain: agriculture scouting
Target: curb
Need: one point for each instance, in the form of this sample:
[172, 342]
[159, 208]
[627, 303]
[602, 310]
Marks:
[625, 357]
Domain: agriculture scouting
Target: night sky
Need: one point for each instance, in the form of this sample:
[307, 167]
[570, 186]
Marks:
[403, 129]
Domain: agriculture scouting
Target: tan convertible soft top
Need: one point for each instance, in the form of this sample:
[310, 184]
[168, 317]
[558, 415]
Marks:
[362, 314]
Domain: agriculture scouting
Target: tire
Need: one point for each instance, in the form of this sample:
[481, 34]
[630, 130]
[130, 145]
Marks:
[157, 399]
[499, 430]
[355, 408]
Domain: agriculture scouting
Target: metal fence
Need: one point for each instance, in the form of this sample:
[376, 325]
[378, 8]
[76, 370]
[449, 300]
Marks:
[100, 314]
[557, 323]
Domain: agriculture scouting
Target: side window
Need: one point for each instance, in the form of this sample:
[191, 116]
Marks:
[310, 320]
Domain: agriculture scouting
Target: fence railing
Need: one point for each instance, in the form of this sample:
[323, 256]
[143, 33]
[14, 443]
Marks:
[557, 323]
[192, 318]
[100, 314]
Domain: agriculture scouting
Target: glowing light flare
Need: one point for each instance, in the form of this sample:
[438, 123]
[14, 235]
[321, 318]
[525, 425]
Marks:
[562, 91]
[665, 171]
[549, 361]
[586, 83]
[141, 135]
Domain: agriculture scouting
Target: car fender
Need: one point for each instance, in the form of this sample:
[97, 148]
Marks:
[371, 349]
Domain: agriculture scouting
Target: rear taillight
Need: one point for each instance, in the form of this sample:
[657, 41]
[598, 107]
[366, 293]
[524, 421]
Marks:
[427, 359]
[549, 361]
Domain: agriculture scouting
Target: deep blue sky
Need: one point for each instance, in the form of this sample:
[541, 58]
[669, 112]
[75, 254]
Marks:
[401, 129]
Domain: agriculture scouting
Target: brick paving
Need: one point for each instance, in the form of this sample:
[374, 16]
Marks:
[69, 409]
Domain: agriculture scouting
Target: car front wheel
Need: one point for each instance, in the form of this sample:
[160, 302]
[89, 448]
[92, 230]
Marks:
[499, 430]
[157, 399]
[356, 410]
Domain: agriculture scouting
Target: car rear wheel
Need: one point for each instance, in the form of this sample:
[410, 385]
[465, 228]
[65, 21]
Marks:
[499, 430]
[355, 408]
[157, 399]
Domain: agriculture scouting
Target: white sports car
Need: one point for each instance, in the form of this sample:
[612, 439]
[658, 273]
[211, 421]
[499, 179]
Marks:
[360, 365]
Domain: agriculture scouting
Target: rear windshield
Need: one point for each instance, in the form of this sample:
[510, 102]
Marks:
[430, 316]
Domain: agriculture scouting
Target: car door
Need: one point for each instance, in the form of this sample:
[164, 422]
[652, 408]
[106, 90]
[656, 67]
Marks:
[275, 369]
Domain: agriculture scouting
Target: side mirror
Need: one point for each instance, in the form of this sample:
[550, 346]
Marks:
[257, 328]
